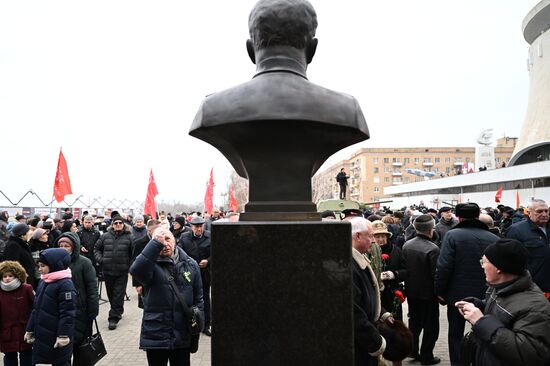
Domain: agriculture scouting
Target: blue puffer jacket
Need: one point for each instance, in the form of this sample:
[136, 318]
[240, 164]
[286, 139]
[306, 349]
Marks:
[538, 246]
[53, 313]
[164, 324]
[458, 273]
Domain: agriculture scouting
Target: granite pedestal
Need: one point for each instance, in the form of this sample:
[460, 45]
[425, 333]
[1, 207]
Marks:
[281, 294]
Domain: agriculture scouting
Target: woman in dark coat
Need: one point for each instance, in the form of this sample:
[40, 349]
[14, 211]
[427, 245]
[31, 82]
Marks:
[394, 269]
[85, 282]
[17, 249]
[52, 321]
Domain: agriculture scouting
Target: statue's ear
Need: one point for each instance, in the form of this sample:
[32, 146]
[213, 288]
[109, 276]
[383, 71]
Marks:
[311, 47]
[250, 49]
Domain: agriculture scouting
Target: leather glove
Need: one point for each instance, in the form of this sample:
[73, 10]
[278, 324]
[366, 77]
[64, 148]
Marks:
[28, 337]
[61, 341]
[387, 275]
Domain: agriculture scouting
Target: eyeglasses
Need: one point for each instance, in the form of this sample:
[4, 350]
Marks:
[118, 223]
[482, 262]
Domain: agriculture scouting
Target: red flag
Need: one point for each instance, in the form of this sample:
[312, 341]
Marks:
[62, 184]
[150, 208]
[233, 204]
[498, 196]
[517, 199]
[209, 195]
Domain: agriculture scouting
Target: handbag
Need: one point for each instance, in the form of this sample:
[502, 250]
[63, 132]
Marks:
[193, 314]
[92, 349]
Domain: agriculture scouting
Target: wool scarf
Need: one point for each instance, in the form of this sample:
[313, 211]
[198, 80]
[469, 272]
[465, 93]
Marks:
[13, 285]
[56, 276]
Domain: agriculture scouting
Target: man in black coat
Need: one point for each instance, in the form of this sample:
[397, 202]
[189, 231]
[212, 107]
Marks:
[113, 252]
[458, 273]
[367, 309]
[446, 223]
[139, 245]
[88, 235]
[342, 180]
[420, 255]
[534, 234]
[196, 243]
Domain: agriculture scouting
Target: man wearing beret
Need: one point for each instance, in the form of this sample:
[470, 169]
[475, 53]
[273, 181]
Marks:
[196, 244]
[510, 327]
[458, 273]
[534, 233]
[446, 223]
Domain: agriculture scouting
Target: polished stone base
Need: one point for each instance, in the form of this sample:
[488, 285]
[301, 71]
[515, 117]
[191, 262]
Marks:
[281, 294]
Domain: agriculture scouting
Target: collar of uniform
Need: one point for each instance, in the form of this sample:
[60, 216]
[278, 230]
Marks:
[361, 260]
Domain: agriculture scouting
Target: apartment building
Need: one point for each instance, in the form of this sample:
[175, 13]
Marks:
[372, 169]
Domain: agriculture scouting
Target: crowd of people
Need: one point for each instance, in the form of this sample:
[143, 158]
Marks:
[488, 266]
[51, 269]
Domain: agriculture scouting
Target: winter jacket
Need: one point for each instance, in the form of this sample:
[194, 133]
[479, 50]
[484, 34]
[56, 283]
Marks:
[420, 256]
[458, 273]
[15, 310]
[53, 313]
[139, 245]
[442, 227]
[88, 238]
[139, 233]
[538, 246]
[366, 312]
[114, 250]
[18, 250]
[198, 249]
[85, 283]
[164, 323]
[514, 330]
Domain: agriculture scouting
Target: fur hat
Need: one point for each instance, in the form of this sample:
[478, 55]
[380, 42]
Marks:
[116, 218]
[14, 268]
[379, 227]
[19, 230]
[508, 255]
[468, 210]
[180, 220]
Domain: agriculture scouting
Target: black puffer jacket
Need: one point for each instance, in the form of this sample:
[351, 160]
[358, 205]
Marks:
[514, 330]
[18, 250]
[88, 239]
[458, 272]
[113, 251]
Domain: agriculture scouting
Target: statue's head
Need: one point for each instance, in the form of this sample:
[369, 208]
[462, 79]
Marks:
[282, 23]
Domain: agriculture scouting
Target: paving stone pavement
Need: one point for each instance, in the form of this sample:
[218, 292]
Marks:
[123, 343]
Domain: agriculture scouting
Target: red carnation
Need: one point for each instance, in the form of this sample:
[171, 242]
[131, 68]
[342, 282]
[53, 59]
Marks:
[399, 295]
[385, 257]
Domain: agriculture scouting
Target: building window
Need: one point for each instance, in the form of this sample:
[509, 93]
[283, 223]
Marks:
[447, 160]
[387, 179]
[416, 160]
[377, 189]
[376, 179]
[395, 160]
[375, 160]
[406, 160]
[427, 160]
[448, 170]
[396, 179]
[497, 160]
[437, 160]
[386, 160]
[387, 169]
[376, 170]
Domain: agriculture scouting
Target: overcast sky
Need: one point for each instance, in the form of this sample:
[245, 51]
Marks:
[117, 83]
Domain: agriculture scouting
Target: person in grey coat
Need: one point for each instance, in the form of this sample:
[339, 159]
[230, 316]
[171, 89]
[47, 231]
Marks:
[511, 326]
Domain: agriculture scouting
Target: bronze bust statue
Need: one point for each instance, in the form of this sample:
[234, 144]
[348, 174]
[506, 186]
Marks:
[278, 128]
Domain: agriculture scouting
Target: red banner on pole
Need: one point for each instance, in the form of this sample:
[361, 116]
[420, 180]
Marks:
[498, 196]
[62, 184]
[209, 195]
[150, 207]
[233, 204]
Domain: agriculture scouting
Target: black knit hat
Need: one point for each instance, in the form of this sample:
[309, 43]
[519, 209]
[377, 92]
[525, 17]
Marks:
[19, 230]
[508, 255]
[468, 210]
